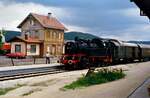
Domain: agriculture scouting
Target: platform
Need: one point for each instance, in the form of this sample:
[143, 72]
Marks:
[27, 66]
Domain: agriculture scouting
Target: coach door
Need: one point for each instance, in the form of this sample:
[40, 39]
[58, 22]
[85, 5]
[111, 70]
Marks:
[139, 52]
[133, 52]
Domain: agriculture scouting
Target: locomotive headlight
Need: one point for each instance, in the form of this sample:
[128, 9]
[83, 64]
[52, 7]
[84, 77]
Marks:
[70, 62]
[104, 44]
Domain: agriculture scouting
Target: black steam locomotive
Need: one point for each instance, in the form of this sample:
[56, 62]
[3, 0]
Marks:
[81, 53]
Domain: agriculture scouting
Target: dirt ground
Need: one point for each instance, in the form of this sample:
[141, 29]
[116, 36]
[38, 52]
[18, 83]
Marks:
[50, 86]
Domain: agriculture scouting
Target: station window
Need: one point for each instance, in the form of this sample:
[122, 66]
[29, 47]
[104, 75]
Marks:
[59, 35]
[32, 22]
[17, 48]
[54, 35]
[33, 49]
[37, 34]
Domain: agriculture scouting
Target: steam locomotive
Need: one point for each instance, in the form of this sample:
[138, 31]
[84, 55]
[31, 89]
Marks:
[98, 52]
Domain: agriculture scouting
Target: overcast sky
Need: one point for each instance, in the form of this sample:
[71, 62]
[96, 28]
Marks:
[105, 18]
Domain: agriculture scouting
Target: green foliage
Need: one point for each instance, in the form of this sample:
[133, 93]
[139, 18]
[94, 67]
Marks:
[2, 52]
[4, 91]
[1, 44]
[3, 32]
[101, 76]
[30, 92]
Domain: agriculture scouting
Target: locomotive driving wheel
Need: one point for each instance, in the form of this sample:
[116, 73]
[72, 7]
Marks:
[84, 62]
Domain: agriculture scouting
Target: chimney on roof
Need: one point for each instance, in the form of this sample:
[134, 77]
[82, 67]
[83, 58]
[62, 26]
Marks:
[26, 35]
[49, 15]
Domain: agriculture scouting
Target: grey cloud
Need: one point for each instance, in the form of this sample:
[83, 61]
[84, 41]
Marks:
[105, 4]
[101, 17]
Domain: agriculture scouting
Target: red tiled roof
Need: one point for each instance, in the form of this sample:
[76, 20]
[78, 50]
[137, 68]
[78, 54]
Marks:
[32, 40]
[47, 22]
[29, 40]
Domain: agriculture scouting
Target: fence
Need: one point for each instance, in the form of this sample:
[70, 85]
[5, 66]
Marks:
[4, 61]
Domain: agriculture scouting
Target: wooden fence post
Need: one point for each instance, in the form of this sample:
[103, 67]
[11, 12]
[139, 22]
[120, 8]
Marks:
[34, 59]
[90, 70]
[12, 61]
[148, 90]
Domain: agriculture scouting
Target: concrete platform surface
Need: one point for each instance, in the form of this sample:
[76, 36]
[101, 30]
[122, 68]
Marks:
[50, 86]
[27, 66]
[141, 91]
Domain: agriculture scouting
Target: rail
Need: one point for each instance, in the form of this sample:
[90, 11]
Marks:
[29, 72]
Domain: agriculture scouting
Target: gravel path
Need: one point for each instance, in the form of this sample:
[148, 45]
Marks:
[48, 86]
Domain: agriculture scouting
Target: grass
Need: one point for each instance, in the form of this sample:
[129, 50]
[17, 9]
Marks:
[98, 77]
[30, 92]
[43, 83]
[4, 91]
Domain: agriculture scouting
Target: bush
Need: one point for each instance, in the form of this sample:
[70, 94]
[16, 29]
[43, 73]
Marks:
[98, 77]
[2, 52]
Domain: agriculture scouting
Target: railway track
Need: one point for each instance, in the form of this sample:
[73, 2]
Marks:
[29, 72]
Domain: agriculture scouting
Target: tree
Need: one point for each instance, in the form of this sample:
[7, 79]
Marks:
[1, 42]
[2, 39]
